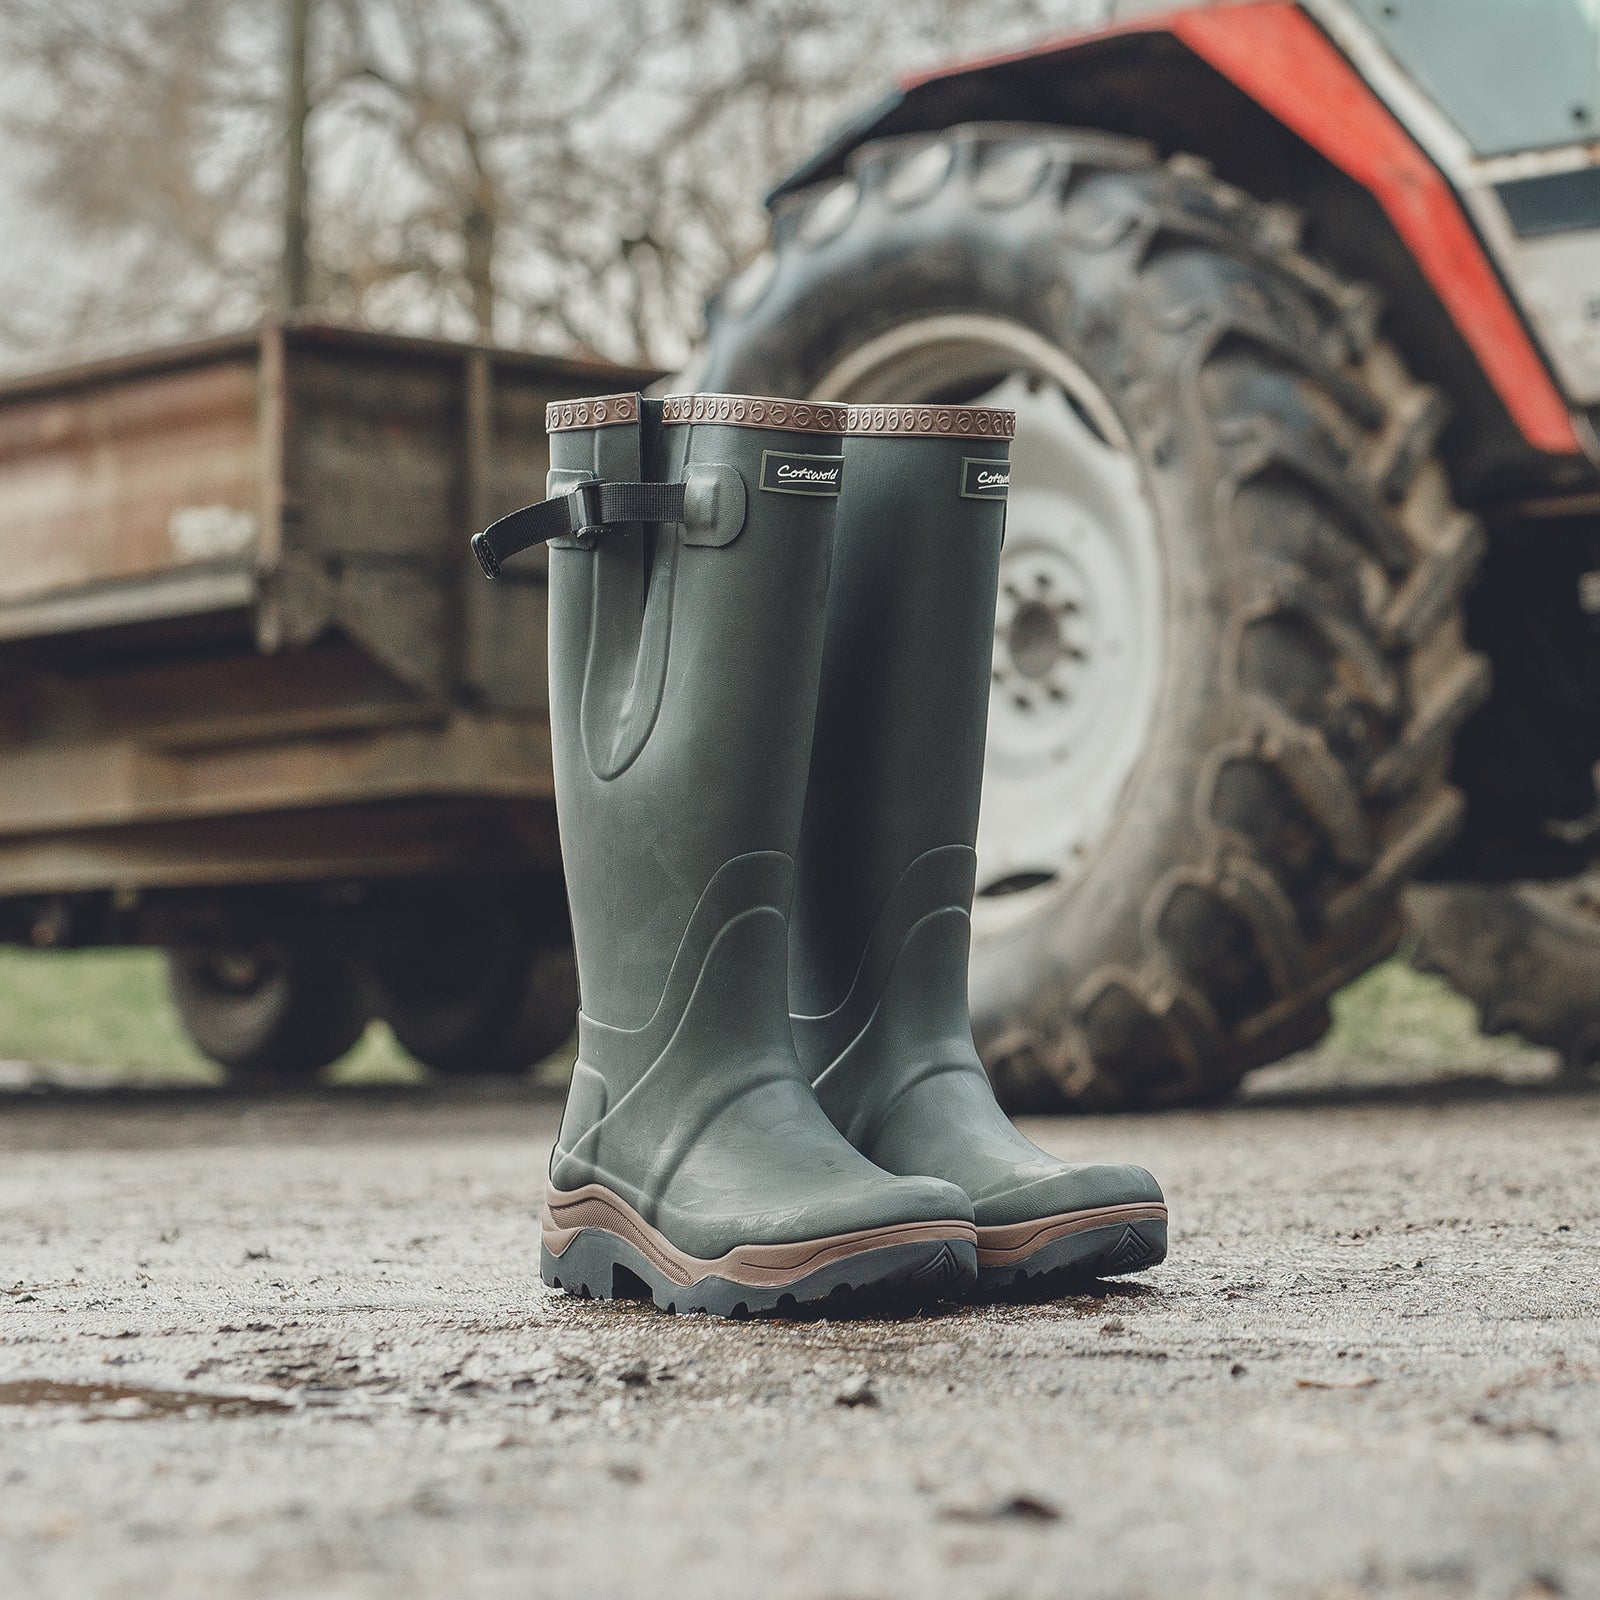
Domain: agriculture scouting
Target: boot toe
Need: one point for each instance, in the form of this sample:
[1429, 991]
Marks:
[882, 1201]
[707, 1220]
[1072, 1187]
[930, 1200]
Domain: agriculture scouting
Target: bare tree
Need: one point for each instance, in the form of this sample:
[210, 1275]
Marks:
[146, 124]
[570, 174]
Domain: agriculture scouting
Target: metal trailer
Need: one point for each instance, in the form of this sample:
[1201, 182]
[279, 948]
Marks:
[257, 705]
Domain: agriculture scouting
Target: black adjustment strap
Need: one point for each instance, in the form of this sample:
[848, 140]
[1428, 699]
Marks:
[586, 509]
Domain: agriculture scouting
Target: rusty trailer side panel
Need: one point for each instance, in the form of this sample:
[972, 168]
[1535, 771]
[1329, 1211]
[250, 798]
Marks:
[129, 498]
[242, 638]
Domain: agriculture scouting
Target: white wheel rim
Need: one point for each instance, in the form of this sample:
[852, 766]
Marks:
[1078, 640]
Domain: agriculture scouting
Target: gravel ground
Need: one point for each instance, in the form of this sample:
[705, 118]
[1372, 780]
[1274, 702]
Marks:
[299, 1349]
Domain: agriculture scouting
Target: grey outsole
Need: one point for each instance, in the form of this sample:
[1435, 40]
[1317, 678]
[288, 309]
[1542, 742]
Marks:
[601, 1266]
[1106, 1252]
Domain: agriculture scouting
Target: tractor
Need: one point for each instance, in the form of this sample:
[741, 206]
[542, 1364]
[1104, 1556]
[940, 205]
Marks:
[1298, 636]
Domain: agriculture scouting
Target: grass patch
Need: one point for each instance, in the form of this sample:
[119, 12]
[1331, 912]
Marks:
[95, 1008]
[1398, 1013]
[110, 1009]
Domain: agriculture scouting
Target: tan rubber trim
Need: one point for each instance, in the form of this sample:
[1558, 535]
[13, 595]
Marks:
[793, 416]
[755, 411]
[603, 411]
[754, 1265]
[954, 422]
[1001, 1246]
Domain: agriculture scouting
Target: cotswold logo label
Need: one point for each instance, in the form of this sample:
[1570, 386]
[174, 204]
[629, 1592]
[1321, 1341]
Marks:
[984, 480]
[786, 474]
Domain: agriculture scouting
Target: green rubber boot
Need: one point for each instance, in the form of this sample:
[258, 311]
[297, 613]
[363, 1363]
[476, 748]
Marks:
[882, 920]
[686, 613]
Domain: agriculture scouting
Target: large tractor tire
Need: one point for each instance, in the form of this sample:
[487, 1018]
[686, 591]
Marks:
[1526, 954]
[273, 1017]
[1229, 659]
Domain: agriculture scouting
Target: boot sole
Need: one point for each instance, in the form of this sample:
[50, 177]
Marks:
[1037, 1256]
[597, 1246]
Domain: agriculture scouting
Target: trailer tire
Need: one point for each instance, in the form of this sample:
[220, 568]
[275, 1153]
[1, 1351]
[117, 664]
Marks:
[1290, 774]
[274, 1017]
[1526, 954]
[483, 998]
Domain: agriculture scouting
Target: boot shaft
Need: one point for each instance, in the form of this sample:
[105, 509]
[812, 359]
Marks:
[684, 660]
[693, 1160]
[897, 758]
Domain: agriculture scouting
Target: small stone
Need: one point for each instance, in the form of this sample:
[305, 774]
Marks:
[1237, 1370]
[1008, 1508]
[1026, 1508]
[856, 1390]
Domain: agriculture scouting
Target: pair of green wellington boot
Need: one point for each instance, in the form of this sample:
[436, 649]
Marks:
[771, 624]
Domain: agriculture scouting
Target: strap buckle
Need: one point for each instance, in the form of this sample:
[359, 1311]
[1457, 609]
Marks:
[583, 511]
[586, 508]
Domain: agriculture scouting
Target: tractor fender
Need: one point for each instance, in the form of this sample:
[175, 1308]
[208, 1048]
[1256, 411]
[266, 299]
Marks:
[1261, 94]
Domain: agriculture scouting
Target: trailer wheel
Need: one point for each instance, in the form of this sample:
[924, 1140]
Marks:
[479, 997]
[273, 1017]
[1526, 954]
[1229, 658]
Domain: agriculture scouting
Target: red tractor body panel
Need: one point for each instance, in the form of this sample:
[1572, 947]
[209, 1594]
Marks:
[1131, 77]
[1279, 57]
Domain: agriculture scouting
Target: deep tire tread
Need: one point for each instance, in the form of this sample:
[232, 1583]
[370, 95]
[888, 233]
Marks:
[1526, 954]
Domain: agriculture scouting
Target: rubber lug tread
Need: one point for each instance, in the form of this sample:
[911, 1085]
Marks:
[1427, 736]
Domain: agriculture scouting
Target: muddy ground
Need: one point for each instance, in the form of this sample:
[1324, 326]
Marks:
[299, 1349]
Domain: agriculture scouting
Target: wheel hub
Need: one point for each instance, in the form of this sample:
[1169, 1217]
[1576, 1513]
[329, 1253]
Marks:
[1043, 644]
[238, 971]
[1032, 637]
